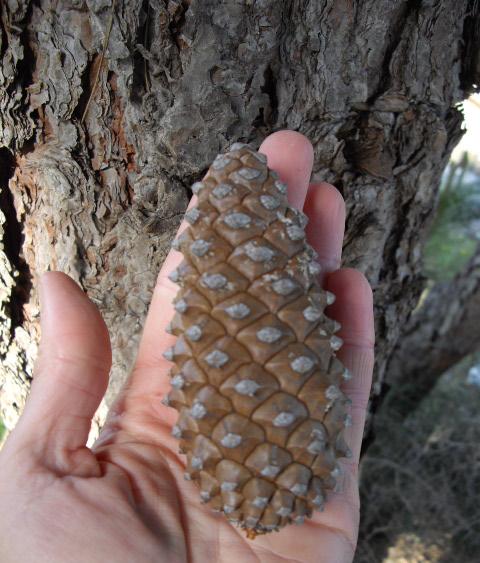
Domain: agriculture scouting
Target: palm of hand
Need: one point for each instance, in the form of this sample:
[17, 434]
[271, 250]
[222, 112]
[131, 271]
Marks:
[126, 499]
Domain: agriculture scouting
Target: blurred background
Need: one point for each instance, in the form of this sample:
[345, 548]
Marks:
[420, 480]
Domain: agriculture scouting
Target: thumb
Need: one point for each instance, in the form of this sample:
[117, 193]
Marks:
[70, 374]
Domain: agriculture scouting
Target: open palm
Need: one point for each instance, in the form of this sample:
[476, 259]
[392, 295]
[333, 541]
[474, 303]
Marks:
[125, 499]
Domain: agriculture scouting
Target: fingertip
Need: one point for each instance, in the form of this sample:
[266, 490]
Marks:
[347, 276]
[290, 139]
[53, 280]
[328, 190]
[280, 145]
[290, 154]
[353, 307]
[353, 280]
[70, 322]
[58, 277]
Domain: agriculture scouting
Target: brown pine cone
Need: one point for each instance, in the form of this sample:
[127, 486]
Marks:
[256, 380]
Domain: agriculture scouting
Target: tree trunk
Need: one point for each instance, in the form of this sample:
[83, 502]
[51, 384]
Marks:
[110, 110]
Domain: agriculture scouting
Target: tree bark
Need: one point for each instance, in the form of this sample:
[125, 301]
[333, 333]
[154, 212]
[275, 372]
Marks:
[109, 111]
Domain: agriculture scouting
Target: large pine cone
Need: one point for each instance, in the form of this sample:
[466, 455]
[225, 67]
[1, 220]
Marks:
[256, 379]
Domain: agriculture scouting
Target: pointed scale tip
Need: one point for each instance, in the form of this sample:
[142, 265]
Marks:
[330, 298]
[165, 401]
[174, 276]
[336, 342]
[169, 354]
[347, 375]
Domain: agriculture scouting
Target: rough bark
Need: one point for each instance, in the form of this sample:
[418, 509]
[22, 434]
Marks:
[441, 331]
[109, 112]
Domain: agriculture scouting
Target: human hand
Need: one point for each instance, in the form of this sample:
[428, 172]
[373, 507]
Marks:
[125, 499]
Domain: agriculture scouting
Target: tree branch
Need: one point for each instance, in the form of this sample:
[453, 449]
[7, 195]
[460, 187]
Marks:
[442, 331]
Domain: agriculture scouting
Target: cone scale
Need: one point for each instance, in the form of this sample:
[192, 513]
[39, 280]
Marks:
[255, 380]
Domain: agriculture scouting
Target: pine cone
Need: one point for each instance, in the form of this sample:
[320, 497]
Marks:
[256, 380]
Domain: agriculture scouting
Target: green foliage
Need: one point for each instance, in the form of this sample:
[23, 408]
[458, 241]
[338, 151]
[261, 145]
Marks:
[446, 252]
[2, 430]
[452, 240]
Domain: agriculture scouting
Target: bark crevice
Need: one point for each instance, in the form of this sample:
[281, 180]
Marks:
[12, 246]
[470, 69]
[396, 34]
[140, 58]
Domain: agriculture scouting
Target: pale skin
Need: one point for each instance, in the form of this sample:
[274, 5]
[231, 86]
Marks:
[125, 499]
